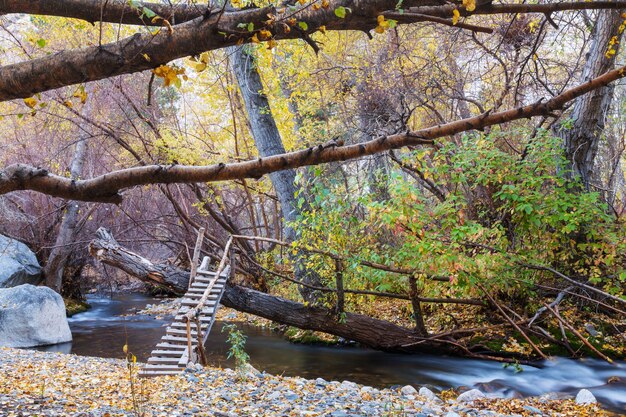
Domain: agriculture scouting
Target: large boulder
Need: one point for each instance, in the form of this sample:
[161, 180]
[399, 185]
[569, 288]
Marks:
[32, 316]
[18, 264]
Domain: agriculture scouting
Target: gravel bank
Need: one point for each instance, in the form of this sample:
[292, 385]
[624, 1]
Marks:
[51, 384]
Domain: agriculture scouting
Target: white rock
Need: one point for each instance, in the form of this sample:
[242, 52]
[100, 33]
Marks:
[349, 385]
[428, 394]
[408, 390]
[452, 414]
[274, 396]
[585, 396]
[469, 396]
[32, 316]
[18, 264]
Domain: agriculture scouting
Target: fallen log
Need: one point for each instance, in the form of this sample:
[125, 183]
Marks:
[374, 333]
[106, 249]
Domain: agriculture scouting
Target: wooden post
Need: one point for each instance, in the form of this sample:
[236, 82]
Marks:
[233, 263]
[201, 351]
[196, 256]
[189, 353]
[420, 327]
[339, 284]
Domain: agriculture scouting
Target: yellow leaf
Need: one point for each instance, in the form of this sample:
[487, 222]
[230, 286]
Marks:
[68, 103]
[265, 34]
[470, 5]
[271, 44]
[81, 94]
[455, 16]
[254, 39]
[322, 29]
[325, 4]
[199, 66]
[146, 57]
[30, 102]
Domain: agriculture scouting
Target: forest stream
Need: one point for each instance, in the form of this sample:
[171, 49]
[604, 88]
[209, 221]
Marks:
[103, 330]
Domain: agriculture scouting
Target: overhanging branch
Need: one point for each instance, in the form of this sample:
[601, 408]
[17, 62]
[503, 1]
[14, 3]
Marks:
[107, 188]
[204, 33]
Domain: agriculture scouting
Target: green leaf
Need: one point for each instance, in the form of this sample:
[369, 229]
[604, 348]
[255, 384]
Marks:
[392, 23]
[250, 27]
[41, 42]
[148, 13]
[303, 25]
[340, 12]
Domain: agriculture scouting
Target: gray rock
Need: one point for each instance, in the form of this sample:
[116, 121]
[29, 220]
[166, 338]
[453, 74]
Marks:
[18, 264]
[532, 409]
[469, 396]
[349, 385]
[452, 414]
[32, 316]
[585, 396]
[428, 394]
[408, 390]
[291, 396]
[321, 382]
[591, 330]
[274, 396]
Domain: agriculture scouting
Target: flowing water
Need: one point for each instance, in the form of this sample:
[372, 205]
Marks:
[103, 330]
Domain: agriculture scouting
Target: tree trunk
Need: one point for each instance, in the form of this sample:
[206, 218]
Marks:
[268, 142]
[60, 254]
[371, 332]
[106, 249]
[581, 139]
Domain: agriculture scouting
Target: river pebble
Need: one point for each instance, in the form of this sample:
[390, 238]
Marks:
[52, 384]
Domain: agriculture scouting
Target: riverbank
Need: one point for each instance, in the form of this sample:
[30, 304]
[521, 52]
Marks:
[52, 384]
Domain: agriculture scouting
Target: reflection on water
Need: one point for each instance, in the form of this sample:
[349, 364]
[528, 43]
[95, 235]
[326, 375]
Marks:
[103, 330]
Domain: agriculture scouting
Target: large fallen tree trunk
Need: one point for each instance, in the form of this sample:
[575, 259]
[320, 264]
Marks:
[368, 331]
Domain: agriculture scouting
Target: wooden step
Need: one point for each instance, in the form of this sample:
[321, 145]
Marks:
[216, 286]
[161, 367]
[172, 346]
[203, 319]
[195, 291]
[170, 338]
[208, 304]
[176, 332]
[205, 278]
[196, 295]
[181, 325]
[167, 353]
[189, 302]
[164, 361]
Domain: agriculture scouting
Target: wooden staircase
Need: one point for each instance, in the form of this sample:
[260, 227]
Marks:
[171, 355]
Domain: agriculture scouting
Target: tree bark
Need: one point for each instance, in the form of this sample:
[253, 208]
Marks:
[269, 143]
[581, 139]
[371, 332]
[60, 254]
